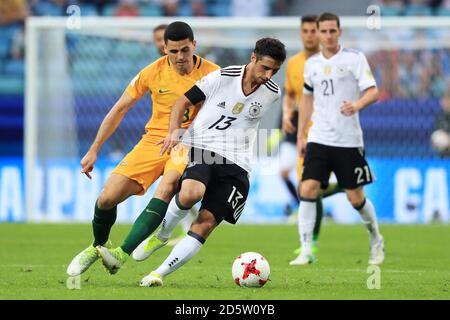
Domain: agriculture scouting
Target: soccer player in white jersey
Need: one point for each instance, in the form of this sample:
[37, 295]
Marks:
[338, 83]
[233, 100]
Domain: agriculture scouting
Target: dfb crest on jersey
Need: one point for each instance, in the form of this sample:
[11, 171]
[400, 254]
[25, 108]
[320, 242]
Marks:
[255, 109]
[238, 107]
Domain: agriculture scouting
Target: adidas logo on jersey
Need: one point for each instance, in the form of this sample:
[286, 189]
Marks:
[221, 105]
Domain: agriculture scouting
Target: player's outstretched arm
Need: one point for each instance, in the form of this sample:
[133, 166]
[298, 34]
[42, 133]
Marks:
[107, 128]
[305, 110]
[176, 118]
[369, 96]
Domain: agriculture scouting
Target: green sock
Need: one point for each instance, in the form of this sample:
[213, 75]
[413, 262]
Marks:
[319, 214]
[145, 224]
[332, 189]
[102, 223]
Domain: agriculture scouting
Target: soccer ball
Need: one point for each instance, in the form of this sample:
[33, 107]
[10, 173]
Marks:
[440, 140]
[250, 270]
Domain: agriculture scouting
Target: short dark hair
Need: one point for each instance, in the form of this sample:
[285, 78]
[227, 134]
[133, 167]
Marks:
[309, 18]
[160, 27]
[177, 31]
[327, 16]
[271, 47]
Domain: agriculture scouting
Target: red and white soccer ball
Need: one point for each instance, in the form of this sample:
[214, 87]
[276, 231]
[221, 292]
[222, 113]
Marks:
[250, 270]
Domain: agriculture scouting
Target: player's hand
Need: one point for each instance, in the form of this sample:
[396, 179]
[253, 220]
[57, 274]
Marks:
[87, 163]
[301, 146]
[168, 143]
[349, 108]
[286, 125]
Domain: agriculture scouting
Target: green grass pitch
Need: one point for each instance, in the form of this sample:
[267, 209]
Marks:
[33, 261]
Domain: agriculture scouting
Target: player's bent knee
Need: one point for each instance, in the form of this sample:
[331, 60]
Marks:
[309, 190]
[189, 197]
[105, 202]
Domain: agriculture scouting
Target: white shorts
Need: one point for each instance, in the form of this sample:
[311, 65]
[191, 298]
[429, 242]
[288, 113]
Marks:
[288, 156]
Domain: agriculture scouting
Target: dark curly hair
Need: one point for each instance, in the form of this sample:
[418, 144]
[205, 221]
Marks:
[271, 47]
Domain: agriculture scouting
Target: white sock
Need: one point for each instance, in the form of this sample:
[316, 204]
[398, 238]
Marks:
[186, 222]
[306, 221]
[369, 219]
[173, 216]
[181, 253]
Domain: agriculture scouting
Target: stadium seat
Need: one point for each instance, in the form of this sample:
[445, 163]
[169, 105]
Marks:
[11, 84]
[185, 10]
[47, 9]
[4, 48]
[6, 35]
[390, 11]
[14, 67]
[443, 12]
[418, 10]
[88, 10]
[151, 10]
[109, 10]
[218, 10]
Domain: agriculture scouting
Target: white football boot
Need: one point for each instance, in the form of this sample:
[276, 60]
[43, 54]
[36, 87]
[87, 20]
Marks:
[376, 254]
[151, 280]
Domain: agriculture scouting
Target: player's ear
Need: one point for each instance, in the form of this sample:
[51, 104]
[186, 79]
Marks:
[253, 57]
[194, 43]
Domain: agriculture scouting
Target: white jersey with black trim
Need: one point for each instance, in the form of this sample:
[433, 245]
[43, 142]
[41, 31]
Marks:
[332, 81]
[228, 120]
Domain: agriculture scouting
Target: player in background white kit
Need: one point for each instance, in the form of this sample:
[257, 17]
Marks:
[233, 100]
[338, 83]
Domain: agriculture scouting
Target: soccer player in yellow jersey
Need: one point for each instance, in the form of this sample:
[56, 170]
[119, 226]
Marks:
[185, 223]
[292, 97]
[166, 79]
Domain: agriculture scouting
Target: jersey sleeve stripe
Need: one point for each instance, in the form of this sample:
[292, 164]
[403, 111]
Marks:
[232, 68]
[271, 89]
[230, 71]
[272, 85]
[307, 87]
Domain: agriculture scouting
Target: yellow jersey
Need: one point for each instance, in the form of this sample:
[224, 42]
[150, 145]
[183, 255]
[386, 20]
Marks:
[294, 75]
[294, 79]
[166, 85]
